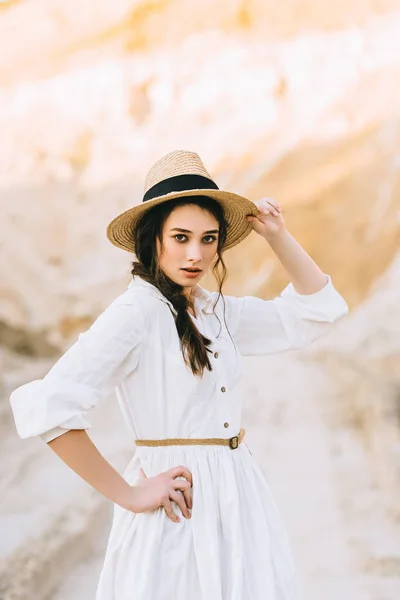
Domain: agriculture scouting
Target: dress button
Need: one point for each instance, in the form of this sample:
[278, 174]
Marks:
[216, 354]
[226, 424]
[223, 389]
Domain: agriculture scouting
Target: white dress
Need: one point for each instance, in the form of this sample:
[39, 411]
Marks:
[235, 546]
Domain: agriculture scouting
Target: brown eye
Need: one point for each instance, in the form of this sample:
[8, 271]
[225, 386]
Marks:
[212, 238]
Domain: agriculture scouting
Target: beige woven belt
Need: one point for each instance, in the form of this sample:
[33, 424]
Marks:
[232, 442]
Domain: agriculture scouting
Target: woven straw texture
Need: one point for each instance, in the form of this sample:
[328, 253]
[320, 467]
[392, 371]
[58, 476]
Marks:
[183, 162]
[191, 441]
[175, 163]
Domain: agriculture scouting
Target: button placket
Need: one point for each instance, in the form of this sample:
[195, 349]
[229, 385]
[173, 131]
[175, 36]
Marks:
[223, 389]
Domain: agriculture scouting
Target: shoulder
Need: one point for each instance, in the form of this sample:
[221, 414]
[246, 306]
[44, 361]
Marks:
[224, 306]
[126, 313]
[143, 298]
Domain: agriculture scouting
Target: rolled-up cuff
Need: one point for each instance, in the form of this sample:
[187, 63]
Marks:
[44, 405]
[52, 434]
[326, 304]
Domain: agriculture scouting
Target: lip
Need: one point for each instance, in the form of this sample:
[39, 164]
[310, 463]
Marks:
[191, 274]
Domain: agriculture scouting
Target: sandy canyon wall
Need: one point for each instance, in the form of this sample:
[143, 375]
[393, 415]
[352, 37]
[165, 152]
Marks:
[295, 100]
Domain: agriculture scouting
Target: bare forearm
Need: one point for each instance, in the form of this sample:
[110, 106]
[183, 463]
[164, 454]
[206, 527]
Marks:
[304, 273]
[77, 450]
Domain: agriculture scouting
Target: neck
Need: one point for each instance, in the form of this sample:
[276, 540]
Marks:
[188, 292]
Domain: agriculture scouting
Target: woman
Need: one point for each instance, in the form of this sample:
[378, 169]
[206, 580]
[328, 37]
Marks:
[193, 514]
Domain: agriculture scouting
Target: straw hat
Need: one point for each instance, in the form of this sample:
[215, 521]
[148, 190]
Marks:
[182, 173]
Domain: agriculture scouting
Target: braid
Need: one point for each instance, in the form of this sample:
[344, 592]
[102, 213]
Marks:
[195, 345]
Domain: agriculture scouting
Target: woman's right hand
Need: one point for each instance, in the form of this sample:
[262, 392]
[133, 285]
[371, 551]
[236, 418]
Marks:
[149, 493]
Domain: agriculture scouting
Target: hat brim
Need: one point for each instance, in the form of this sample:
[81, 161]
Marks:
[236, 209]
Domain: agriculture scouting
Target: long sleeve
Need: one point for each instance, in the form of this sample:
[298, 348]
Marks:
[289, 321]
[84, 376]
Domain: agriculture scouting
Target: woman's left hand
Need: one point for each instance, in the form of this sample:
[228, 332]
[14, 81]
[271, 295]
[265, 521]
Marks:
[269, 223]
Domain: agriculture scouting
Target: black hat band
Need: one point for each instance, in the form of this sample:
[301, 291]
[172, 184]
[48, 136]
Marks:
[179, 183]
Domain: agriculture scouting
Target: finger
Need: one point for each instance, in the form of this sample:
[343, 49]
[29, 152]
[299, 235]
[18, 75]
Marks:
[270, 206]
[170, 512]
[263, 210]
[271, 210]
[260, 205]
[257, 219]
[188, 498]
[276, 212]
[181, 502]
[142, 474]
[184, 487]
[180, 484]
[181, 471]
[275, 204]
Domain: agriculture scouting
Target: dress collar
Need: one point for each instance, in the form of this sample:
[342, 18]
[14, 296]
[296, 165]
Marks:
[203, 297]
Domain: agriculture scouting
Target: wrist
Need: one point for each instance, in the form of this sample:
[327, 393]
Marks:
[126, 498]
[278, 238]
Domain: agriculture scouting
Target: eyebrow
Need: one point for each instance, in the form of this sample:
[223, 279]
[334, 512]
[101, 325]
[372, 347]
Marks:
[188, 230]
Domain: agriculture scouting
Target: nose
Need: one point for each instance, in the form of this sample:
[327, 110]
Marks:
[194, 252]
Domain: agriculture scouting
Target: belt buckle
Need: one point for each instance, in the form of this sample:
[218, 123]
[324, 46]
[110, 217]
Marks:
[234, 442]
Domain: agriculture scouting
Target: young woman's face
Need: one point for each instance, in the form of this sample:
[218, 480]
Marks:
[190, 239]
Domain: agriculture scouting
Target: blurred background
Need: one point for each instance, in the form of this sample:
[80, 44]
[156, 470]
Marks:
[296, 99]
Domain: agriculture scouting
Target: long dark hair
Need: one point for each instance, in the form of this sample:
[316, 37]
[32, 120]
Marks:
[148, 229]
